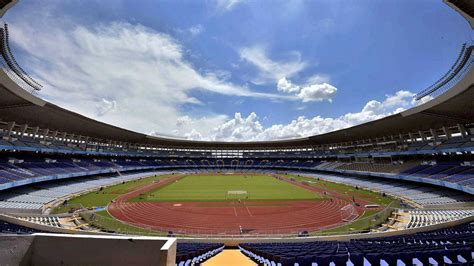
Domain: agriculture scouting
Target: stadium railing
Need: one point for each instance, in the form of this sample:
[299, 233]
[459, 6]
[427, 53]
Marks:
[12, 68]
[455, 74]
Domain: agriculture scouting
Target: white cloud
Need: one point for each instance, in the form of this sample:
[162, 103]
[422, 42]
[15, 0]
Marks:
[106, 106]
[317, 92]
[239, 128]
[127, 75]
[399, 99]
[137, 78]
[196, 30]
[227, 5]
[310, 92]
[317, 79]
[249, 128]
[286, 86]
[317, 87]
[269, 70]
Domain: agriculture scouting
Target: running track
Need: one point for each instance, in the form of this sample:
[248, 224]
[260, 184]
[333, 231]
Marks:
[227, 218]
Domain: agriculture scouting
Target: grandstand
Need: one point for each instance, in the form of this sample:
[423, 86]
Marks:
[422, 157]
[418, 249]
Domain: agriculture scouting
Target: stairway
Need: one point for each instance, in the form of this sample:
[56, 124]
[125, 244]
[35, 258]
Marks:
[230, 257]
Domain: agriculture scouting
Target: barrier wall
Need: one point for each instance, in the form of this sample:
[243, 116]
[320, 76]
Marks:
[233, 242]
[45, 228]
[54, 249]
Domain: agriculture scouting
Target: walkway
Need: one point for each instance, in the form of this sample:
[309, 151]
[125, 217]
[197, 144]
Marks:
[229, 257]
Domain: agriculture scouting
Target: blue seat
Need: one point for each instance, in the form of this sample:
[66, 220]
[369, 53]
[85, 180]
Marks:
[466, 253]
[437, 255]
[357, 258]
[305, 260]
[451, 254]
[323, 260]
[422, 256]
[287, 261]
[373, 258]
[340, 259]
[390, 258]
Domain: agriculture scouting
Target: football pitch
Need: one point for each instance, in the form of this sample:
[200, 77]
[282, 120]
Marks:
[220, 188]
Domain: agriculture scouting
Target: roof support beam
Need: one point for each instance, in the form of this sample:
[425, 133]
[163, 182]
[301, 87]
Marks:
[462, 130]
[10, 127]
[35, 132]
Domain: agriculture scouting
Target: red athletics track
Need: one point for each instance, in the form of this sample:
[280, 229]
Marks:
[226, 218]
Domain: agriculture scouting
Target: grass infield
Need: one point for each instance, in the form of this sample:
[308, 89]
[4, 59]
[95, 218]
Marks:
[101, 198]
[215, 188]
[197, 188]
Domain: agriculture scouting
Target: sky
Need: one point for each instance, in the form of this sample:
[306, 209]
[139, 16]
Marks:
[235, 70]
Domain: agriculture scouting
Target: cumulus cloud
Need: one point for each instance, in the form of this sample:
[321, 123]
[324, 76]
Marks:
[310, 92]
[134, 77]
[286, 86]
[270, 71]
[127, 75]
[317, 87]
[317, 92]
[241, 128]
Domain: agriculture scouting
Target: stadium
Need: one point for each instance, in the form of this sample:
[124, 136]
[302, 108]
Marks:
[398, 190]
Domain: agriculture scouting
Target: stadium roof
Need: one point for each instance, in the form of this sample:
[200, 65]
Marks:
[449, 109]
[464, 7]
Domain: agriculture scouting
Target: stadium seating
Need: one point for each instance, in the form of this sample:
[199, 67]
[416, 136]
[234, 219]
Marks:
[20, 167]
[35, 197]
[195, 253]
[419, 218]
[9, 228]
[453, 245]
[421, 194]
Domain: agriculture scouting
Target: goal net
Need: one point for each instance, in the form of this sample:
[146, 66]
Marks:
[237, 194]
[349, 213]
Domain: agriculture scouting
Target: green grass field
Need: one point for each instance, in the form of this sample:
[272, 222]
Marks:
[102, 198]
[366, 195]
[215, 187]
[106, 222]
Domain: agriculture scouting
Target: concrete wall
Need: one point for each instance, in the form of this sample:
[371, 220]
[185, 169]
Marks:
[45, 228]
[54, 249]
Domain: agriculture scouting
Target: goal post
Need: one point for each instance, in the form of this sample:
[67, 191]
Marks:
[349, 213]
[237, 195]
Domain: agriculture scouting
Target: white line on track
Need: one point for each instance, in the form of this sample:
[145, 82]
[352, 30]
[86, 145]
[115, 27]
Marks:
[248, 210]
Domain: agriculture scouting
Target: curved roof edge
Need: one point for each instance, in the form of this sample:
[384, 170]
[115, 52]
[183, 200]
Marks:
[464, 7]
[5, 5]
[458, 89]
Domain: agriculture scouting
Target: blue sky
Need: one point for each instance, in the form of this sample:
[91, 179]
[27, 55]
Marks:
[235, 69]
